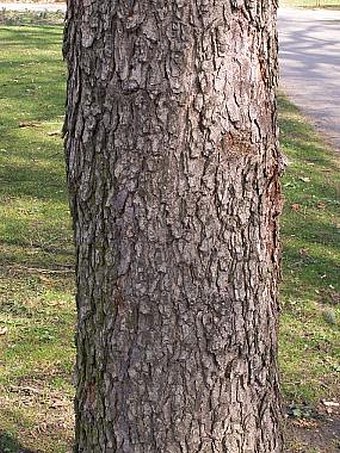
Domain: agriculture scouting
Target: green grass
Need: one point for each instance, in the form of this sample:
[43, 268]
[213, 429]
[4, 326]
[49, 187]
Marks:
[36, 253]
[309, 344]
[36, 259]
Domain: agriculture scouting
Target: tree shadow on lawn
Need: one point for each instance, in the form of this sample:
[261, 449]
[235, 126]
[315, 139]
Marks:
[8, 444]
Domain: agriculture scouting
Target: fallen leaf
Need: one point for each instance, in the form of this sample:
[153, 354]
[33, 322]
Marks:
[321, 205]
[335, 297]
[303, 252]
[3, 330]
[330, 403]
[28, 124]
[304, 179]
[296, 207]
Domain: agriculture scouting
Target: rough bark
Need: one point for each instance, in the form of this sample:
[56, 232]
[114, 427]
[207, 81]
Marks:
[173, 165]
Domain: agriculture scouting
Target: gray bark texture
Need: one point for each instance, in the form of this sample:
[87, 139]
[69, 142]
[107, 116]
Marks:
[173, 165]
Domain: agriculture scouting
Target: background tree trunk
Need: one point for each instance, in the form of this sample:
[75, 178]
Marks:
[173, 163]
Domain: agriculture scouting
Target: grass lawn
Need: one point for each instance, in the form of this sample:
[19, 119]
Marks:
[310, 292]
[36, 253]
[310, 346]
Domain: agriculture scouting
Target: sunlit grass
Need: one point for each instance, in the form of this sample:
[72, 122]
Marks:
[36, 251]
[309, 344]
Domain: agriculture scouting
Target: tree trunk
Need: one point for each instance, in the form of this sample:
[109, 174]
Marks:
[173, 165]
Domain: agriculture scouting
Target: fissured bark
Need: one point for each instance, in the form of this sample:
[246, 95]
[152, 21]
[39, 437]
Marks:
[173, 166]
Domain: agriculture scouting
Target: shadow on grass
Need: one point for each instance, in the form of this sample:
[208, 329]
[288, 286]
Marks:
[34, 219]
[313, 271]
[309, 222]
[299, 134]
[38, 183]
[8, 444]
[36, 246]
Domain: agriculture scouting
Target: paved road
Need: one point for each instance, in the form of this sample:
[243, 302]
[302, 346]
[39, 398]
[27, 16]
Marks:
[310, 65]
[33, 6]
